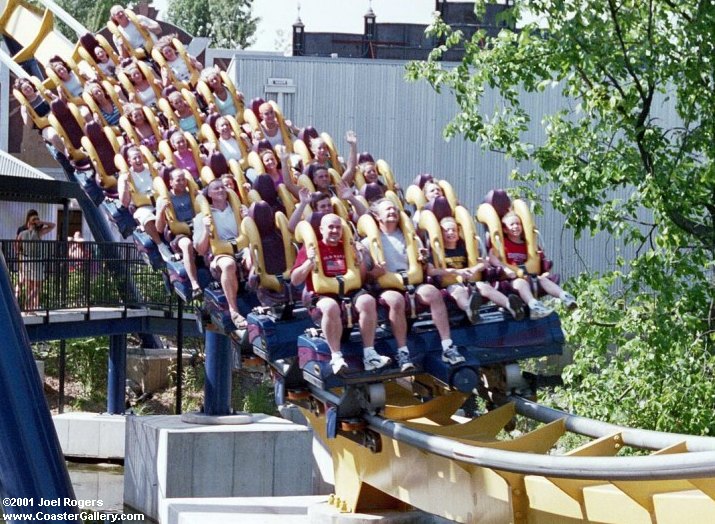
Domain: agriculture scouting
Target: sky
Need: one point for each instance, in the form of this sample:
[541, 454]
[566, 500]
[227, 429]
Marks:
[343, 16]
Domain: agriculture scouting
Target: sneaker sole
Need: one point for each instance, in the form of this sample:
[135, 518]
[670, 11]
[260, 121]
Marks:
[373, 367]
[453, 362]
[407, 367]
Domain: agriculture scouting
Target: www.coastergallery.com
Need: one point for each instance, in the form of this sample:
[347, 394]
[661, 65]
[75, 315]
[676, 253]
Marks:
[83, 516]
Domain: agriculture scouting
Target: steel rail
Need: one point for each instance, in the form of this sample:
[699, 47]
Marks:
[697, 464]
[639, 438]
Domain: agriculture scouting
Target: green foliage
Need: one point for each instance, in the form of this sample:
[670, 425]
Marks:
[93, 14]
[228, 23]
[638, 83]
[258, 398]
[86, 362]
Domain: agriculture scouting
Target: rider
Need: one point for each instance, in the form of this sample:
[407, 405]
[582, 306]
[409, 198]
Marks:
[395, 256]
[332, 255]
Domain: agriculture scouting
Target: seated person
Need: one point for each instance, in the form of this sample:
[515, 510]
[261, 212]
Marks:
[140, 88]
[270, 127]
[223, 222]
[182, 206]
[72, 85]
[183, 114]
[320, 178]
[456, 262]
[146, 134]
[176, 65]
[130, 37]
[183, 156]
[41, 109]
[229, 181]
[108, 112]
[102, 60]
[104, 63]
[135, 188]
[228, 143]
[321, 153]
[331, 251]
[515, 250]
[280, 173]
[395, 253]
[221, 99]
[318, 202]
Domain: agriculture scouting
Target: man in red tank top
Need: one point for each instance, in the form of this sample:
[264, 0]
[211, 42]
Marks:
[331, 251]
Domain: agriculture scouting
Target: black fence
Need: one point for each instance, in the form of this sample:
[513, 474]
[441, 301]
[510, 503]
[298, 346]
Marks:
[81, 275]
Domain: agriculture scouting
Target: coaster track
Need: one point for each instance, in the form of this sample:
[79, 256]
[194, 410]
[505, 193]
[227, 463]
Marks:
[402, 451]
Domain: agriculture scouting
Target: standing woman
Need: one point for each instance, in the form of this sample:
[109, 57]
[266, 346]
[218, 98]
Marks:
[33, 259]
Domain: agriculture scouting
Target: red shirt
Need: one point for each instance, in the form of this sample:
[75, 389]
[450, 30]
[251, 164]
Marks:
[331, 257]
[516, 253]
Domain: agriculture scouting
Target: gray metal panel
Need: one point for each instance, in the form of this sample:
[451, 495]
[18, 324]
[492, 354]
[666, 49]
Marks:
[402, 122]
[11, 166]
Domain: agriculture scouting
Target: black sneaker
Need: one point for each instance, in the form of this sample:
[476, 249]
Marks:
[403, 360]
[516, 307]
[475, 302]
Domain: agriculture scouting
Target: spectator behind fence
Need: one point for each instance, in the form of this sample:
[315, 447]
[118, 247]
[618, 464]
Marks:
[32, 256]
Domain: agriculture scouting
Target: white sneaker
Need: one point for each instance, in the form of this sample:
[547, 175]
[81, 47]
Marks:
[373, 360]
[338, 364]
[537, 310]
[451, 355]
[568, 300]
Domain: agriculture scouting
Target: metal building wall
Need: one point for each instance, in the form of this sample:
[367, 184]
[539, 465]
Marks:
[402, 122]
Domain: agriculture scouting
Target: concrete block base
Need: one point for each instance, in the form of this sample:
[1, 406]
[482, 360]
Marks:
[324, 513]
[253, 510]
[91, 435]
[167, 458]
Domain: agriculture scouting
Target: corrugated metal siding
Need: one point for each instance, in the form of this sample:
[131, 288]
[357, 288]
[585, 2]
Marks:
[11, 166]
[402, 123]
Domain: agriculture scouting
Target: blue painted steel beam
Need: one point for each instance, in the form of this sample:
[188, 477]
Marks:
[117, 374]
[31, 462]
[116, 326]
[217, 388]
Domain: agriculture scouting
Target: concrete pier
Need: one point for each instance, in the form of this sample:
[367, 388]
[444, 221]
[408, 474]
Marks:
[166, 458]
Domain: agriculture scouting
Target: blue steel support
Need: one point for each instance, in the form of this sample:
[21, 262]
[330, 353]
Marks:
[117, 374]
[217, 389]
[31, 461]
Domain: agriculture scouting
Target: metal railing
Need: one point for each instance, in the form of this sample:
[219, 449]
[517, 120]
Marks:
[82, 275]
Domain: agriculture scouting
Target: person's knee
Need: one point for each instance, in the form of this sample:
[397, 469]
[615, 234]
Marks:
[394, 301]
[329, 308]
[227, 264]
[519, 284]
[428, 294]
[365, 303]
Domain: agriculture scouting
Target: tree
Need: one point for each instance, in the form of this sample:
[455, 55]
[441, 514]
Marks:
[227, 22]
[644, 333]
[93, 14]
